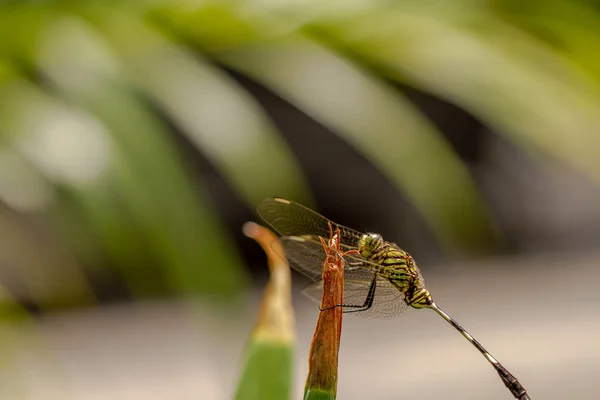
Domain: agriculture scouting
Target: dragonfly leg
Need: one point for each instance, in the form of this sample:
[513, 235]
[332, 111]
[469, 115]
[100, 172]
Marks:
[360, 307]
[368, 301]
[353, 266]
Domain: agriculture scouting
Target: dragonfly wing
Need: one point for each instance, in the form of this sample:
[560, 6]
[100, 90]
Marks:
[387, 303]
[301, 228]
[292, 219]
[314, 291]
[306, 255]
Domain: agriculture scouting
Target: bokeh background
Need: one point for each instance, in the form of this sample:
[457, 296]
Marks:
[136, 137]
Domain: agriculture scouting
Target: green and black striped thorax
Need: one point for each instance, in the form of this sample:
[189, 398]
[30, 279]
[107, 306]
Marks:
[396, 266]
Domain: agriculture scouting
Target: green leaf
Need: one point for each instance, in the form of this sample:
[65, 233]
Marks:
[267, 371]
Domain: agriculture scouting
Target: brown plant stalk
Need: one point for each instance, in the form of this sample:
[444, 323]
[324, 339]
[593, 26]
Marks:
[323, 357]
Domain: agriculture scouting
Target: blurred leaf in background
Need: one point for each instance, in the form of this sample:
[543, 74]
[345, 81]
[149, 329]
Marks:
[269, 358]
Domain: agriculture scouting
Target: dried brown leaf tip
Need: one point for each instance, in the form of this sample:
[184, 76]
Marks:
[323, 358]
[276, 319]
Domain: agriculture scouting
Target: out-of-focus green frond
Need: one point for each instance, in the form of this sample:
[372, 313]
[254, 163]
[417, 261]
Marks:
[20, 26]
[56, 141]
[216, 24]
[570, 28]
[7, 71]
[49, 276]
[10, 312]
[378, 122]
[532, 107]
[150, 177]
[219, 117]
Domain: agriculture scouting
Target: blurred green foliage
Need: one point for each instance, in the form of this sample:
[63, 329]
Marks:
[83, 146]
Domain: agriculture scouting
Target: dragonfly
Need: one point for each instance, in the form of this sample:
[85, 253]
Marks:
[380, 279]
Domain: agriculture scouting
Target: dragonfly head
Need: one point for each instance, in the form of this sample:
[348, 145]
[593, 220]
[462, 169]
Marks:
[369, 243]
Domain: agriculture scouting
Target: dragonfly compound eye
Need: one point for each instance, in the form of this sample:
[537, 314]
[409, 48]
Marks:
[368, 244]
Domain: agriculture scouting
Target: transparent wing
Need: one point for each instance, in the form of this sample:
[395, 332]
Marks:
[387, 303]
[301, 228]
[306, 255]
[292, 219]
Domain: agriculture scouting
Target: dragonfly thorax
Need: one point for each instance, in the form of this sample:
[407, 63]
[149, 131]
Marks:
[369, 244]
